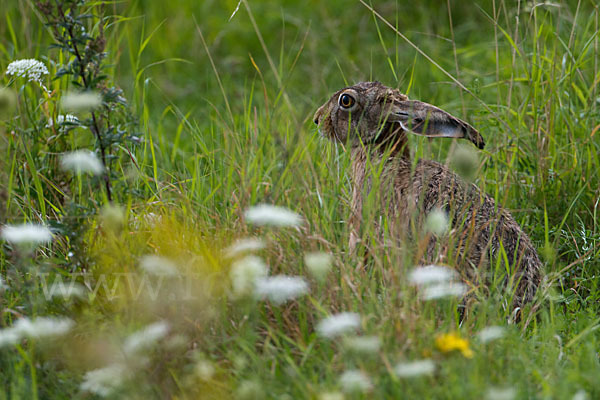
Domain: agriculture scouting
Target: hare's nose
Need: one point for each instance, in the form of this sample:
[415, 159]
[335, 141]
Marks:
[317, 116]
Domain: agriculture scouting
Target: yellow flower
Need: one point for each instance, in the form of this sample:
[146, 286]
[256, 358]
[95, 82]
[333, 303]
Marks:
[449, 342]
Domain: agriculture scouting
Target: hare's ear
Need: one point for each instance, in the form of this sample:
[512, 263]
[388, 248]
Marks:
[427, 120]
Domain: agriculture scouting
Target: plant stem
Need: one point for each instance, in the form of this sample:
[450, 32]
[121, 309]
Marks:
[95, 124]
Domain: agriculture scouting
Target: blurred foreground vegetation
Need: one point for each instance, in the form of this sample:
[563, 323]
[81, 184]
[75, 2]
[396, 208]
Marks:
[207, 111]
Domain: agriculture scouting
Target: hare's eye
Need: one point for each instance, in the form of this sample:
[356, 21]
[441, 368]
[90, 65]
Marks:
[346, 101]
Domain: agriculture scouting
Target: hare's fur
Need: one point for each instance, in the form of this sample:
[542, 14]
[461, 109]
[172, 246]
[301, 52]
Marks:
[373, 125]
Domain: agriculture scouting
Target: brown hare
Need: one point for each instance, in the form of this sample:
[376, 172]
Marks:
[372, 120]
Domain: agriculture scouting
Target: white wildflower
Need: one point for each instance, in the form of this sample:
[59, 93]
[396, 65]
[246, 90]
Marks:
[355, 381]
[81, 101]
[204, 370]
[250, 390]
[465, 160]
[104, 381]
[8, 337]
[367, 345]
[266, 214]
[318, 264]
[157, 265]
[415, 368]
[490, 333]
[430, 274]
[26, 234]
[39, 328]
[30, 68]
[338, 324]
[82, 161]
[281, 288]
[244, 274]
[3, 285]
[441, 290]
[331, 396]
[501, 394]
[42, 327]
[63, 118]
[580, 395]
[436, 222]
[145, 338]
[244, 246]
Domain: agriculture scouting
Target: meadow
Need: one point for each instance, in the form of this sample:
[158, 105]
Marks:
[158, 163]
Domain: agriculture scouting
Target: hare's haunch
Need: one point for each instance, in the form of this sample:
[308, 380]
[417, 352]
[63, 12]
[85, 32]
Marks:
[372, 120]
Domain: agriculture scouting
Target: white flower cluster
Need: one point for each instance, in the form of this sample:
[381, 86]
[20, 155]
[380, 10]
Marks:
[82, 161]
[266, 214]
[504, 393]
[431, 274]
[145, 338]
[244, 273]
[367, 345]
[26, 234]
[355, 381]
[81, 101]
[156, 265]
[62, 118]
[437, 222]
[30, 68]
[104, 381]
[490, 333]
[338, 324]
[318, 264]
[245, 245]
[249, 277]
[437, 282]
[281, 288]
[39, 328]
[412, 369]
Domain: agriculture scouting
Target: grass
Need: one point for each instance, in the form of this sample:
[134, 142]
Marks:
[224, 111]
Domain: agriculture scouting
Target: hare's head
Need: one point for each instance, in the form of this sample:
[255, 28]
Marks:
[370, 113]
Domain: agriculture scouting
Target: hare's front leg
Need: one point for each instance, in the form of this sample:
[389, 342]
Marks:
[354, 221]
